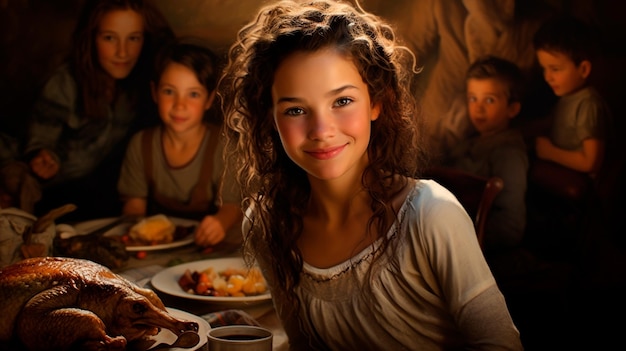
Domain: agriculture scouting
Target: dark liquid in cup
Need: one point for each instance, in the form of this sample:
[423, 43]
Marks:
[240, 337]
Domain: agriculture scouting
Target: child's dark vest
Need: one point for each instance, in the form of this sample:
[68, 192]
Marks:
[199, 205]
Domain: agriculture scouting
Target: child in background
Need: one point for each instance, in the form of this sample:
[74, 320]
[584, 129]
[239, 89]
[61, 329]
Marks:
[176, 168]
[358, 253]
[90, 106]
[578, 133]
[494, 94]
[570, 154]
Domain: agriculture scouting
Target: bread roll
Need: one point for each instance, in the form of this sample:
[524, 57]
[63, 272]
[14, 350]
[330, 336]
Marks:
[157, 229]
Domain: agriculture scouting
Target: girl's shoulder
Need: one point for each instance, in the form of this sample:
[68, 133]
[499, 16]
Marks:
[428, 192]
[430, 207]
[62, 74]
[435, 221]
[61, 83]
[146, 135]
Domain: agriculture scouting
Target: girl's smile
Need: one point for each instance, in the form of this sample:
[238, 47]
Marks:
[182, 100]
[323, 113]
[325, 154]
[119, 41]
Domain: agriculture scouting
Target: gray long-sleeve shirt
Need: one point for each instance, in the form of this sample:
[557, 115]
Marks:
[78, 143]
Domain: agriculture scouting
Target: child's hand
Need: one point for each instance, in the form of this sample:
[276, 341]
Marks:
[44, 165]
[210, 232]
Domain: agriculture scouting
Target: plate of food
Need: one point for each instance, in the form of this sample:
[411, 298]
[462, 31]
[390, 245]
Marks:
[158, 232]
[220, 281]
[167, 337]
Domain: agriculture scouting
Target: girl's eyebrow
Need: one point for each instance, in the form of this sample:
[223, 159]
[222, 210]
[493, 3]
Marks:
[110, 31]
[330, 93]
[341, 89]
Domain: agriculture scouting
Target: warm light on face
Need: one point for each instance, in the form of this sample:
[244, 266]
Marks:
[488, 105]
[119, 42]
[323, 113]
[561, 73]
[181, 98]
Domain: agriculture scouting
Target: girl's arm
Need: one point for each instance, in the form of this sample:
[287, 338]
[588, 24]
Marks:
[55, 108]
[487, 323]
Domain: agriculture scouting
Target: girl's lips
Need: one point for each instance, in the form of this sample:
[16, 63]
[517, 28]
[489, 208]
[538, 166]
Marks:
[177, 119]
[325, 154]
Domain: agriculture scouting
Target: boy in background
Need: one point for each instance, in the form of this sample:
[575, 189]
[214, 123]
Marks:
[494, 93]
[577, 138]
[570, 155]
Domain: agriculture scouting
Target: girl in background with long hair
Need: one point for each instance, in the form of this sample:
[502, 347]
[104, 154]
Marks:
[92, 104]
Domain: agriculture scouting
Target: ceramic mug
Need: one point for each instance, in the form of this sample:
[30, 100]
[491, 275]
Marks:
[239, 338]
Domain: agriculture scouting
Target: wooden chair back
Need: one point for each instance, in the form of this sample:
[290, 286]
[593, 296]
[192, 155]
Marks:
[475, 193]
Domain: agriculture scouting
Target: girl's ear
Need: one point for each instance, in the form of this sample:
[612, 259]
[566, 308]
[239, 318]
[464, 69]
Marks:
[153, 90]
[585, 68]
[375, 111]
[209, 101]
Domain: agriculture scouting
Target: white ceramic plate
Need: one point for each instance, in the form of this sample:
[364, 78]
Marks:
[167, 281]
[123, 228]
[168, 337]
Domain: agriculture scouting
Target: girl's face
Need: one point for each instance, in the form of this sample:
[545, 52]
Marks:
[323, 113]
[561, 73]
[488, 105]
[181, 98]
[119, 41]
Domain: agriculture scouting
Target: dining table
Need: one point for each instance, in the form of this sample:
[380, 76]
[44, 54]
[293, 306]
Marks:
[142, 266]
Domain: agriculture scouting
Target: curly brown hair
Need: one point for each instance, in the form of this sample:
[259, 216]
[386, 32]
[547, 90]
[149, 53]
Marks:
[275, 189]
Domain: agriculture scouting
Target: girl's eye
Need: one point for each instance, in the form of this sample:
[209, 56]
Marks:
[167, 91]
[490, 100]
[136, 38]
[195, 94]
[471, 99]
[294, 111]
[343, 101]
[107, 37]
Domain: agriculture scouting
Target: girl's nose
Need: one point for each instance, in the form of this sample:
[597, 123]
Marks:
[179, 102]
[321, 125]
[122, 49]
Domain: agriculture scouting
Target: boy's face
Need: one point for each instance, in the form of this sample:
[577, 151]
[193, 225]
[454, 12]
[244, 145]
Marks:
[561, 73]
[488, 105]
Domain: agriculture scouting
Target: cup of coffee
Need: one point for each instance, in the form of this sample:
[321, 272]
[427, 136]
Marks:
[240, 338]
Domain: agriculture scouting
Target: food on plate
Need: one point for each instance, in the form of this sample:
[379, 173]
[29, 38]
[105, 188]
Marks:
[153, 230]
[107, 251]
[236, 282]
[56, 303]
[181, 233]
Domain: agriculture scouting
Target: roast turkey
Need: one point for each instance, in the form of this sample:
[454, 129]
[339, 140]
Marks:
[55, 303]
